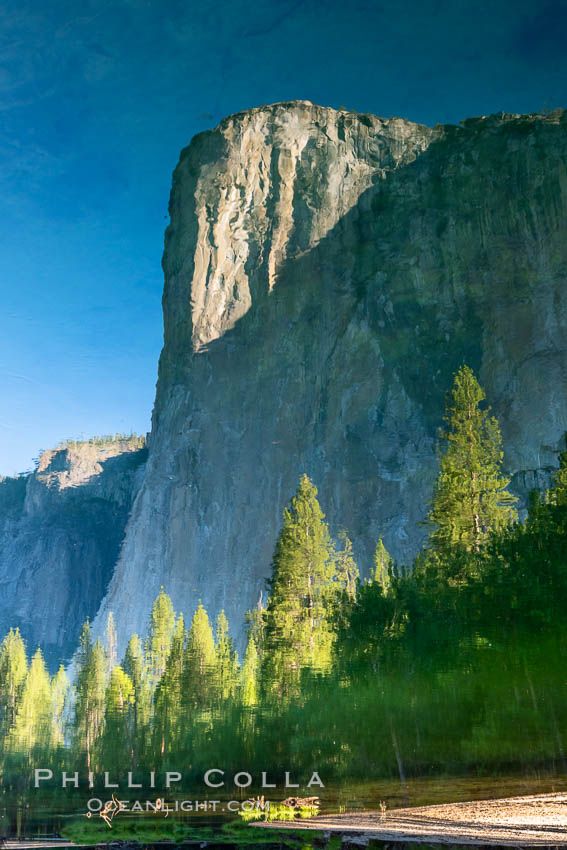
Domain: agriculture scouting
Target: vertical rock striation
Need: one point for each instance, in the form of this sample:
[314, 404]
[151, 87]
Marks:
[325, 274]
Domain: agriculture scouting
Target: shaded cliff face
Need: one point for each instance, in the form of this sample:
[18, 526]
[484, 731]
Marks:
[325, 274]
[60, 534]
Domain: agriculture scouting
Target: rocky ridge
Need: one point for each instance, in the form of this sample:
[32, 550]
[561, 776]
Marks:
[61, 528]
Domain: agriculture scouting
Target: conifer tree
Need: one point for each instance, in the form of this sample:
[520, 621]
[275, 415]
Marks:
[119, 694]
[249, 675]
[135, 667]
[557, 497]
[85, 645]
[118, 741]
[383, 567]
[134, 662]
[13, 669]
[297, 631]
[162, 625]
[226, 660]
[90, 692]
[200, 661]
[342, 594]
[60, 687]
[346, 571]
[256, 623]
[111, 643]
[167, 701]
[470, 497]
[33, 726]
[559, 492]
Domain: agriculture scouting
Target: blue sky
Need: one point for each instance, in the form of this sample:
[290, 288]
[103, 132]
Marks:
[98, 97]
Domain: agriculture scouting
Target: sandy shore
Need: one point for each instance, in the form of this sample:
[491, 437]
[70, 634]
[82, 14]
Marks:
[534, 821]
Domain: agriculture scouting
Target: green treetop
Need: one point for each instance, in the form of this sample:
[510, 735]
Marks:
[90, 693]
[33, 726]
[118, 741]
[200, 661]
[557, 496]
[13, 669]
[134, 661]
[297, 633]
[120, 692]
[383, 568]
[167, 701]
[249, 675]
[135, 667]
[162, 626]
[346, 571]
[470, 497]
[256, 623]
[60, 687]
[560, 481]
[226, 659]
[111, 643]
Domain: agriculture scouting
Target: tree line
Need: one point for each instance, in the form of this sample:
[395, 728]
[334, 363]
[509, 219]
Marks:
[453, 661]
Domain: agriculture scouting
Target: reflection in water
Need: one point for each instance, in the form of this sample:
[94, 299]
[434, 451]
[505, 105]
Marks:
[442, 682]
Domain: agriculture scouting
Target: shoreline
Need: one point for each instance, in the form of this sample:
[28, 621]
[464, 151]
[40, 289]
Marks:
[532, 821]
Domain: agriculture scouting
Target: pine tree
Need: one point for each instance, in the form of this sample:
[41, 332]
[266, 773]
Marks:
[162, 625]
[134, 662]
[383, 568]
[346, 571]
[226, 660]
[135, 667]
[556, 498]
[297, 632]
[547, 515]
[470, 497]
[120, 692]
[118, 740]
[341, 595]
[199, 671]
[167, 700]
[559, 492]
[60, 687]
[255, 624]
[111, 643]
[249, 675]
[13, 670]
[90, 692]
[33, 726]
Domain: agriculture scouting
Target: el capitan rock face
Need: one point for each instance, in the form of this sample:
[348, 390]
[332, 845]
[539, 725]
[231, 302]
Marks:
[325, 274]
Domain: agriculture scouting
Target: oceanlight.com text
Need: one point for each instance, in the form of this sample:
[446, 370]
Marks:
[95, 805]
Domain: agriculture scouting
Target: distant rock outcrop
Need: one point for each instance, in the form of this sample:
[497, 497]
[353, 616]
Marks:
[61, 528]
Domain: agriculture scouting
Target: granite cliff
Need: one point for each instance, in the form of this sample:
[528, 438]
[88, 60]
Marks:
[325, 274]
